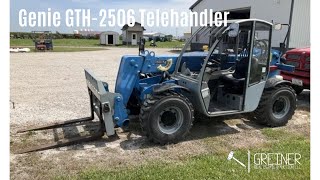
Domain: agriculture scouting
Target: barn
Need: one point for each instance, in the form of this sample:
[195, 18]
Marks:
[109, 38]
[293, 12]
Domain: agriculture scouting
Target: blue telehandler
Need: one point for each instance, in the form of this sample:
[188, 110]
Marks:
[238, 74]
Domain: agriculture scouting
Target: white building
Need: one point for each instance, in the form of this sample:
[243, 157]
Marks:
[153, 34]
[187, 35]
[294, 12]
[109, 38]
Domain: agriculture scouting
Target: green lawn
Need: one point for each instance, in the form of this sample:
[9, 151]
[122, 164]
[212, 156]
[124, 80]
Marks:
[58, 42]
[73, 49]
[171, 44]
[63, 45]
[88, 43]
[216, 166]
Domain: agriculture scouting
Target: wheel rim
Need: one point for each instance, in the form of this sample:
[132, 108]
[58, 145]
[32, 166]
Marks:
[170, 120]
[281, 107]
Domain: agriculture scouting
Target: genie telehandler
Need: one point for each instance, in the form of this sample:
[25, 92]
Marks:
[238, 74]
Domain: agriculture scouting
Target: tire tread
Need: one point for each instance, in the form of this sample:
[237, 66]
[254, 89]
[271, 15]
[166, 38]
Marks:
[261, 114]
[147, 107]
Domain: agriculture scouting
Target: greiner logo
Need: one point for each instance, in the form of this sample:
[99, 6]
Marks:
[270, 161]
[277, 160]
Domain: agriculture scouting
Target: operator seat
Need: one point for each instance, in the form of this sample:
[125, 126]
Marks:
[234, 83]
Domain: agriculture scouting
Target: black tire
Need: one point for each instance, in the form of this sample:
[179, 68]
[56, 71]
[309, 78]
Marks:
[199, 117]
[297, 89]
[156, 117]
[268, 109]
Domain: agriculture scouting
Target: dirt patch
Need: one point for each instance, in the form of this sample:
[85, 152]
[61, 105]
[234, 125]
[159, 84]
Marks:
[133, 149]
[50, 87]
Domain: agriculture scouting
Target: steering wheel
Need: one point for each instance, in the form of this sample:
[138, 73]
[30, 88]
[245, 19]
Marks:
[262, 45]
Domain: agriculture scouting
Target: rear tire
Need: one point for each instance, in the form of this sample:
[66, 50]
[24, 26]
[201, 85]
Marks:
[166, 118]
[276, 107]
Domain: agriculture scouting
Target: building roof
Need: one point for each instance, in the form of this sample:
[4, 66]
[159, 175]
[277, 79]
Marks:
[153, 34]
[109, 32]
[195, 4]
[126, 26]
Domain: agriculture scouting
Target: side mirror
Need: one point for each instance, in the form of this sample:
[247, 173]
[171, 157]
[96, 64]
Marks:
[233, 30]
[278, 26]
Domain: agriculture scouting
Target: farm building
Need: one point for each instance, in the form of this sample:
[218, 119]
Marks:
[186, 35]
[86, 32]
[156, 36]
[294, 12]
[109, 38]
[132, 35]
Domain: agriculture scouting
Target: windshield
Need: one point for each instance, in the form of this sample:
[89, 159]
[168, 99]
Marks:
[196, 49]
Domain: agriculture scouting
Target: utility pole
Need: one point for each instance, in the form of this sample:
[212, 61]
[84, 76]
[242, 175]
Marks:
[177, 33]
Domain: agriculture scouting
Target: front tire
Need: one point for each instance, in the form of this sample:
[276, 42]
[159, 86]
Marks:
[166, 118]
[277, 106]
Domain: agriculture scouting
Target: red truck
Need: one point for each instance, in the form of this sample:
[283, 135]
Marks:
[300, 59]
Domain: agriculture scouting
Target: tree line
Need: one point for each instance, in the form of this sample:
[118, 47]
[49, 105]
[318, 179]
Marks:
[57, 35]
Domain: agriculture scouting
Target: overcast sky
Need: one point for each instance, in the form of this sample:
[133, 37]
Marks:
[95, 6]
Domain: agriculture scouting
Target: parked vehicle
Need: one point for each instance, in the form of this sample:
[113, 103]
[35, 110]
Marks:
[300, 59]
[42, 40]
[153, 43]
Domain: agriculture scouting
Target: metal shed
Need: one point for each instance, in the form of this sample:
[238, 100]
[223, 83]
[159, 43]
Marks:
[294, 12]
[109, 38]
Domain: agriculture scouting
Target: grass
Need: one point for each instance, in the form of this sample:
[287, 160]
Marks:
[279, 135]
[88, 43]
[59, 42]
[213, 166]
[73, 49]
[171, 44]
[70, 49]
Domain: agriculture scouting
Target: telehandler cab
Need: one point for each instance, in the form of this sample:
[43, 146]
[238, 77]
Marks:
[234, 76]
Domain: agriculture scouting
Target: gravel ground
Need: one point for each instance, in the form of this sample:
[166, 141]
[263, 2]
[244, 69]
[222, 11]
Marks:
[47, 87]
[50, 87]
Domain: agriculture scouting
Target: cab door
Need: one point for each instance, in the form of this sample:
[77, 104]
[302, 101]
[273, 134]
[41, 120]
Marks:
[258, 68]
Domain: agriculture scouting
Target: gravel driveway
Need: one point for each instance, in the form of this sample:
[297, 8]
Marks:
[47, 87]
